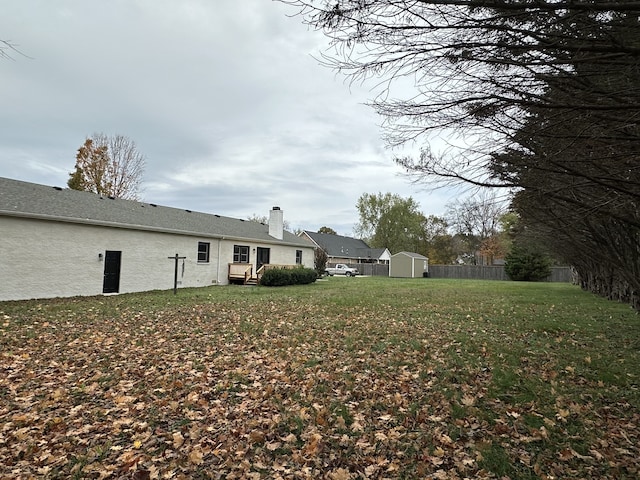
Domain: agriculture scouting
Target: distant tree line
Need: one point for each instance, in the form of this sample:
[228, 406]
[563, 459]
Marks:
[475, 229]
[539, 96]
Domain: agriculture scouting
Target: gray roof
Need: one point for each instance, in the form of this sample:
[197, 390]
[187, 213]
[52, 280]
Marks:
[23, 199]
[344, 247]
[376, 252]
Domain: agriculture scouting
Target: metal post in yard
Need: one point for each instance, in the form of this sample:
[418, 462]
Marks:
[175, 272]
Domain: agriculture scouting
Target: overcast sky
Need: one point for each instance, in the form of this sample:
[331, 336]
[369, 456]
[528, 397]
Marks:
[224, 98]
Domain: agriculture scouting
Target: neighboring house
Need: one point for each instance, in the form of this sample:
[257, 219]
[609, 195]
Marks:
[59, 243]
[408, 265]
[346, 249]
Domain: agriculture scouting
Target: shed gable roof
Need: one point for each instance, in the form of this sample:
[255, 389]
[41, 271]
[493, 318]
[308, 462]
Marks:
[31, 200]
[410, 254]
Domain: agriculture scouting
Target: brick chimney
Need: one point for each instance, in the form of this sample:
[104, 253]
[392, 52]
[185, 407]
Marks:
[276, 223]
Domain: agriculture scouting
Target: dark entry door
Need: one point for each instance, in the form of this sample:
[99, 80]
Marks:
[111, 283]
[262, 257]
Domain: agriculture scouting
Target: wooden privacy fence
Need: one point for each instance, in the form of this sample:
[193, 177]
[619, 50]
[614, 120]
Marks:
[477, 272]
[490, 272]
[378, 269]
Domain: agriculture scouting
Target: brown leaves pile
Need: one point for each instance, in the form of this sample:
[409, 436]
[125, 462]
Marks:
[282, 390]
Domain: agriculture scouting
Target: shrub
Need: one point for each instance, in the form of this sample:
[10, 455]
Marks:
[275, 277]
[320, 258]
[303, 276]
[529, 265]
[278, 277]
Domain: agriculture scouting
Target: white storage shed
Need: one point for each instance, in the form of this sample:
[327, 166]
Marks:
[408, 265]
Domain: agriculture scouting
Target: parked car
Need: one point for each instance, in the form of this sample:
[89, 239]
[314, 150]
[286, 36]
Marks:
[341, 269]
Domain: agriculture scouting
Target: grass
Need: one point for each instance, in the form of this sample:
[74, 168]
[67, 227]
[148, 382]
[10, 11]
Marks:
[345, 378]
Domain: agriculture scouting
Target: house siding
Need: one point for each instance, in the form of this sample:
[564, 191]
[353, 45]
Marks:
[43, 259]
[54, 243]
[278, 254]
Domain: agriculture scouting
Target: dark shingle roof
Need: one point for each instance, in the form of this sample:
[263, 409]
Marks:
[375, 252]
[345, 247]
[23, 199]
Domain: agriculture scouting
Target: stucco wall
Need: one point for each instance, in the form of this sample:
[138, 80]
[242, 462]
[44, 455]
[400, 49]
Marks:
[45, 259]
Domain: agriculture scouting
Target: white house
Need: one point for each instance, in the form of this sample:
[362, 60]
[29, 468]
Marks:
[57, 242]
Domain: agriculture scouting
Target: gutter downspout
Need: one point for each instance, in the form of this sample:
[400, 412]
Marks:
[219, 260]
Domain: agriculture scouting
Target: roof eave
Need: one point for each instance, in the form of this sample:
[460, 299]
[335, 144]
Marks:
[146, 228]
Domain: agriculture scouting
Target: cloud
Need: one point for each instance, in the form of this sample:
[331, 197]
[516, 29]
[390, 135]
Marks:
[224, 98]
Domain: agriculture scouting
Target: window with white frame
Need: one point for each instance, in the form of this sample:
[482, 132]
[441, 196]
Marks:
[298, 257]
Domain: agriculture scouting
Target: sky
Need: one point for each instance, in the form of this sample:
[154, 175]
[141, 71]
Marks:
[225, 99]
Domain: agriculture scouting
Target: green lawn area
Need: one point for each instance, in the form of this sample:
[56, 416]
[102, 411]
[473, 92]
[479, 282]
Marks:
[347, 378]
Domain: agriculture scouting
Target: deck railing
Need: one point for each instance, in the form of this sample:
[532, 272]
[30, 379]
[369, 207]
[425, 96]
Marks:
[240, 271]
[244, 271]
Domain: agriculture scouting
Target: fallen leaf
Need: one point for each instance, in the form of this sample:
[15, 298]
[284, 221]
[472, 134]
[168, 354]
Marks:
[313, 446]
[468, 400]
[271, 446]
[565, 454]
[340, 474]
[257, 436]
[196, 456]
[178, 440]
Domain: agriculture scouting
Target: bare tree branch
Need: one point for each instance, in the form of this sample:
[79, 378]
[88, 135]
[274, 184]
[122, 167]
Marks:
[108, 165]
[8, 49]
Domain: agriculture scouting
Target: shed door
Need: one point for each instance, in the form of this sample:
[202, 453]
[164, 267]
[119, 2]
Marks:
[111, 283]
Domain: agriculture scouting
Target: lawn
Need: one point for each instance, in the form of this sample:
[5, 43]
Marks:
[347, 378]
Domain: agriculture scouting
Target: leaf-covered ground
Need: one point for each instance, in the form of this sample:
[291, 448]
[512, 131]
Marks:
[344, 379]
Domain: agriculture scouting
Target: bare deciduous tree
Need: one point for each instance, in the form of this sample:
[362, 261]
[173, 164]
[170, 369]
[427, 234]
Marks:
[478, 215]
[476, 220]
[477, 67]
[108, 165]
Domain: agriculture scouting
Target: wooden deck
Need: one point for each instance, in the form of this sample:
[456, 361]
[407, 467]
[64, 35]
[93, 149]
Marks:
[243, 272]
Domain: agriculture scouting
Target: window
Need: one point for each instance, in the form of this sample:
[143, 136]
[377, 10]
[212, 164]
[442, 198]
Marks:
[203, 252]
[240, 254]
[298, 257]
